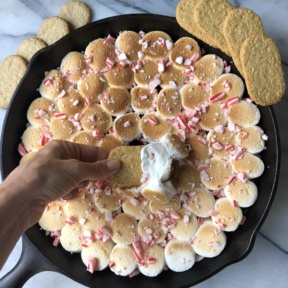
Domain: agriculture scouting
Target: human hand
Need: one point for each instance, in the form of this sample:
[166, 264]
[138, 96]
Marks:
[56, 171]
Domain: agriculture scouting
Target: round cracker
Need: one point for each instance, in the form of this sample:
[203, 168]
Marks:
[76, 13]
[12, 69]
[29, 47]
[53, 29]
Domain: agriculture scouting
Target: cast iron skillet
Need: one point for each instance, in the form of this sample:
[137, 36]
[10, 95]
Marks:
[39, 254]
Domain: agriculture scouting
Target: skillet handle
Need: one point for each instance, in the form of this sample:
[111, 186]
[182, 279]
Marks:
[30, 263]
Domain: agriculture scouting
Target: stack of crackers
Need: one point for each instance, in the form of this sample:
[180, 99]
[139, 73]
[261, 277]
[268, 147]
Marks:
[72, 15]
[239, 33]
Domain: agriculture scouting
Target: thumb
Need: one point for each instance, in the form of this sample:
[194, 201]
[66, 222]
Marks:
[100, 169]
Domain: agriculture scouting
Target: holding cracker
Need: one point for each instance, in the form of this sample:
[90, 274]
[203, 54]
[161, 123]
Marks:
[148, 169]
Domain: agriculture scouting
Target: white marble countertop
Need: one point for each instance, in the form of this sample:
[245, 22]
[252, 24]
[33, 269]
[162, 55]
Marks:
[267, 264]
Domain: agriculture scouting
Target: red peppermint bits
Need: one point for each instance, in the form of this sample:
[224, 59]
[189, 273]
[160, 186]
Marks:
[109, 62]
[217, 146]
[91, 265]
[181, 121]
[153, 121]
[217, 97]
[21, 149]
[232, 101]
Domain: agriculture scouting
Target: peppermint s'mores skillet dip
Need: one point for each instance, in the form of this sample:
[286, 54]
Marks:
[186, 131]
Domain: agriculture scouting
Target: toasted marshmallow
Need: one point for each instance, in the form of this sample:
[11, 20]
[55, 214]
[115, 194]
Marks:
[122, 260]
[97, 52]
[173, 205]
[110, 141]
[78, 207]
[244, 114]
[71, 103]
[243, 193]
[40, 111]
[95, 118]
[186, 225]
[95, 221]
[119, 76]
[216, 174]
[201, 202]
[172, 77]
[98, 253]
[83, 137]
[221, 142]
[52, 85]
[168, 102]
[91, 86]
[154, 127]
[71, 237]
[154, 261]
[229, 84]
[142, 99]
[251, 165]
[150, 227]
[147, 74]
[128, 43]
[208, 68]
[187, 177]
[127, 127]
[209, 240]
[193, 95]
[184, 51]
[53, 217]
[251, 138]
[31, 138]
[107, 199]
[124, 227]
[214, 117]
[154, 45]
[62, 129]
[199, 150]
[160, 192]
[131, 192]
[179, 255]
[116, 101]
[177, 147]
[73, 66]
[227, 214]
[138, 207]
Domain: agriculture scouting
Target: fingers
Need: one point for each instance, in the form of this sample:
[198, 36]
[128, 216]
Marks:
[70, 150]
[98, 170]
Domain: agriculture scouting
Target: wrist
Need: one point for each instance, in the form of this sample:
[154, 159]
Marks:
[13, 207]
[14, 219]
[17, 204]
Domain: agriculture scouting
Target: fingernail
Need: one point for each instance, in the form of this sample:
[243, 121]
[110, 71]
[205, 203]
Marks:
[113, 165]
